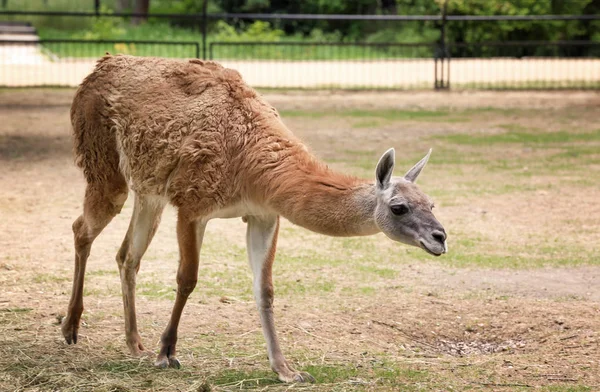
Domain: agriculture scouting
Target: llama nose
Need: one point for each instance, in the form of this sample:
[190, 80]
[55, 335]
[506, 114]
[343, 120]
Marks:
[439, 236]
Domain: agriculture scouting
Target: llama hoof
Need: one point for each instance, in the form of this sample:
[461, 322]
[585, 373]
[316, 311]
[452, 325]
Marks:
[174, 363]
[164, 362]
[304, 377]
[294, 377]
[70, 332]
[289, 375]
[136, 348]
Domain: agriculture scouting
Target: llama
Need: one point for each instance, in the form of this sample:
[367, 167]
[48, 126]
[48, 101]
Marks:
[193, 134]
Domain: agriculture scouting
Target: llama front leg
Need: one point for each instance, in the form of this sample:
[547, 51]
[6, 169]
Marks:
[261, 240]
[189, 235]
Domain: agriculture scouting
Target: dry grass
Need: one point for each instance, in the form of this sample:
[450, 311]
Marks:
[514, 306]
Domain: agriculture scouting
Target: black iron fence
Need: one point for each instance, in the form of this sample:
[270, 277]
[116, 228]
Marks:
[330, 65]
[294, 51]
[524, 65]
[522, 49]
[439, 64]
[66, 62]
[492, 65]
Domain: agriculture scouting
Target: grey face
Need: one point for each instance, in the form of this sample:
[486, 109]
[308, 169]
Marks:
[403, 212]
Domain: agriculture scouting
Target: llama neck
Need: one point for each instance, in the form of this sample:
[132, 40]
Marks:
[311, 195]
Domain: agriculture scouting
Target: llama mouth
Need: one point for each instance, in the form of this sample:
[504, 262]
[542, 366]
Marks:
[429, 250]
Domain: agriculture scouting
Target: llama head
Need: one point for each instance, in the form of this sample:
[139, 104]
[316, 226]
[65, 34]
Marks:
[404, 212]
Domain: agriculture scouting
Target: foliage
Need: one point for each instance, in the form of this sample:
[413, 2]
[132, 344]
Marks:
[522, 30]
[257, 31]
[104, 28]
[57, 22]
[330, 30]
[406, 33]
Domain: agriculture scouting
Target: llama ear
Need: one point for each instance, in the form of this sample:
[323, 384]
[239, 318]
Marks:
[413, 173]
[385, 167]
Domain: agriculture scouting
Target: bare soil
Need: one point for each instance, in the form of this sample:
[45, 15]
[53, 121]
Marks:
[443, 326]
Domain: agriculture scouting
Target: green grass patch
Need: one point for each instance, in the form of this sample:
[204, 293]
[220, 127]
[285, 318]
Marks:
[111, 272]
[156, 290]
[515, 127]
[496, 110]
[363, 260]
[16, 310]
[444, 154]
[124, 366]
[374, 123]
[523, 137]
[293, 287]
[442, 114]
[106, 291]
[566, 388]
[366, 290]
[395, 115]
[392, 374]
[386, 273]
[488, 255]
[244, 379]
[50, 278]
[373, 115]
[327, 374]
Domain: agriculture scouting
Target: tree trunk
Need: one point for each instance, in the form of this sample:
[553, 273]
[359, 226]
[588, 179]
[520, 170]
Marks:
[389, 7]
[123, 5]
[141, 7]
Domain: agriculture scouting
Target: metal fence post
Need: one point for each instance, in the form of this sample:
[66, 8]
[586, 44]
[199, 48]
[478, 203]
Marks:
[445, 81]
[204, 28]
[97, 7]
[435, 68]
[441, 81]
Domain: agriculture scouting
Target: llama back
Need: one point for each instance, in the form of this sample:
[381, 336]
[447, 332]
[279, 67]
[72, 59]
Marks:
[141, 117]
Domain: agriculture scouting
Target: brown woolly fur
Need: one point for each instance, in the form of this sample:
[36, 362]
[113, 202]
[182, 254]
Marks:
[193, 134]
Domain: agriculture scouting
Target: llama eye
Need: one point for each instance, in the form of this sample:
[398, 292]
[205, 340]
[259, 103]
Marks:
[399, 209]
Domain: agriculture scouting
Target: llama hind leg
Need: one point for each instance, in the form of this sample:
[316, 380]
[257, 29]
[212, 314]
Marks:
[101, 204]
[190, 235]
[144, 222]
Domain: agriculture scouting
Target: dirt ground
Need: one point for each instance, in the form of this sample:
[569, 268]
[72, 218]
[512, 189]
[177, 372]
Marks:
[517, 307]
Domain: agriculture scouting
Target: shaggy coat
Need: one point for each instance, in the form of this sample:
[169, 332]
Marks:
[193, 132]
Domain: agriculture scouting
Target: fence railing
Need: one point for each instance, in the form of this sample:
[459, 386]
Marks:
[492, 65]
[201, 20]
[329, 65]
[66, 62]
[284, 64]
[353, 51]
[525, 65]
